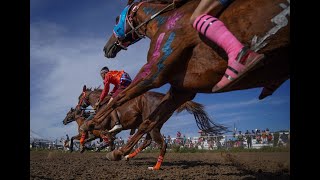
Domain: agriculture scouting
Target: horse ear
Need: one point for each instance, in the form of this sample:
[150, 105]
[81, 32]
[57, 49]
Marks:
[130, 2]
[84, 88]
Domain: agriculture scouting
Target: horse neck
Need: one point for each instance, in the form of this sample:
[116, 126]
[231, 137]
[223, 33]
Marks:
[148, 9]
[144, 12]
[94, 96]
[79, 120]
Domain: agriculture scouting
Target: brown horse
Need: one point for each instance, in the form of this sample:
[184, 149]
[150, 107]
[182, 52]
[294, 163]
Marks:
[190, 63]
[133, 113]
[80, 118]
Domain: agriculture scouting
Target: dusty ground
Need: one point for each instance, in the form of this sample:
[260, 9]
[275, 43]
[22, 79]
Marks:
[90, 165]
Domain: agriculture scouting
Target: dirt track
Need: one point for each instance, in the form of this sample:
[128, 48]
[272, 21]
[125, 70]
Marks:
[253, 165]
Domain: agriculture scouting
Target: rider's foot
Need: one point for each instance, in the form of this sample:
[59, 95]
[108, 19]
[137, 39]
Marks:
[246, 60]
[117, 127]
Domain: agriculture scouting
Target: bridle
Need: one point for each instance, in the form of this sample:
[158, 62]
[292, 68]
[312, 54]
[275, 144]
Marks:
[134, 30]
[84, 101]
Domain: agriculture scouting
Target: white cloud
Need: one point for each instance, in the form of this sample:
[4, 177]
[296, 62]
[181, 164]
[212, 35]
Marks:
[75, 61]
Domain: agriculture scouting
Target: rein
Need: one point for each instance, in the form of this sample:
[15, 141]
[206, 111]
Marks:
[84, 99]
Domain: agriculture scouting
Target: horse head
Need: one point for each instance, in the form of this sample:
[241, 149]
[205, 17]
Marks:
[70, 117]
[83, 100]
[127, 30]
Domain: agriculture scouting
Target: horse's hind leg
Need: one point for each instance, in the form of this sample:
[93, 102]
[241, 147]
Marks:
[145, 144]
[157, 137]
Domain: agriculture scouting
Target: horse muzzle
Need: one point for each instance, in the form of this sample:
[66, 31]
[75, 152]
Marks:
[112, 51]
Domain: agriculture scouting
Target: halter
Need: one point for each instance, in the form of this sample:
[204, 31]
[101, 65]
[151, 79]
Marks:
[120, 27]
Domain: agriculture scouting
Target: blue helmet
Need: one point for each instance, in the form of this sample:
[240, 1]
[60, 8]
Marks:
[120, 27]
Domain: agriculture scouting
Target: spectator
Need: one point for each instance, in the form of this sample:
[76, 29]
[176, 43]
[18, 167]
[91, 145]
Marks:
[178, 134]
[284, 138]
[249, 139]
[253, 134]
[267, 131]
[269, 137]
[258, 136]
[184, 139]
[240, 139]
[264, 136]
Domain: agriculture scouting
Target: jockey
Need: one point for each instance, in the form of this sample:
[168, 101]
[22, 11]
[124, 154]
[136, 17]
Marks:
[120, 80]
[240, 58]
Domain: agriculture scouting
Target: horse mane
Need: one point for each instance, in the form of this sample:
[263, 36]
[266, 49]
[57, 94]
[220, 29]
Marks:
[97, 88]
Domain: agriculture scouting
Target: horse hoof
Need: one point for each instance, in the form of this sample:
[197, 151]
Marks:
[82, 149]
[114, 155]
[153, 168]
[126, 158]
[110, 156]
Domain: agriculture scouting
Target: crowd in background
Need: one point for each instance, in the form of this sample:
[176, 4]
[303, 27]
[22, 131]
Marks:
[247, 139]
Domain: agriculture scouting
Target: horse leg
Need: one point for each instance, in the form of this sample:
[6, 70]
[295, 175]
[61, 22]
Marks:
[145, 144]
[116, 155]
[71, 141]
[171, 101]
[157, 137]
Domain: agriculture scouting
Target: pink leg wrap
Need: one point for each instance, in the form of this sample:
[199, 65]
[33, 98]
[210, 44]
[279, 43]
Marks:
[216, 31]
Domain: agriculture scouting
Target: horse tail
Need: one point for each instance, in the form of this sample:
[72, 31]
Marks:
[203, 121]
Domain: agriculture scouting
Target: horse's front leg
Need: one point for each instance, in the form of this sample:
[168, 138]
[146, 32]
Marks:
[164, 57]
[171, 101]
[145, 144]
[71, 141]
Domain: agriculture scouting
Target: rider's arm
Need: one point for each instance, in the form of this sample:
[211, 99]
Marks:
[106, 88]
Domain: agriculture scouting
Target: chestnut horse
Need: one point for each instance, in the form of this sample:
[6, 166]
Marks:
[132, 114]
[189, 62]
[80, 118]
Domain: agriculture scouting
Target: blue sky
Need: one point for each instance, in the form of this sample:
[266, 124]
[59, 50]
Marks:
[66, 41]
